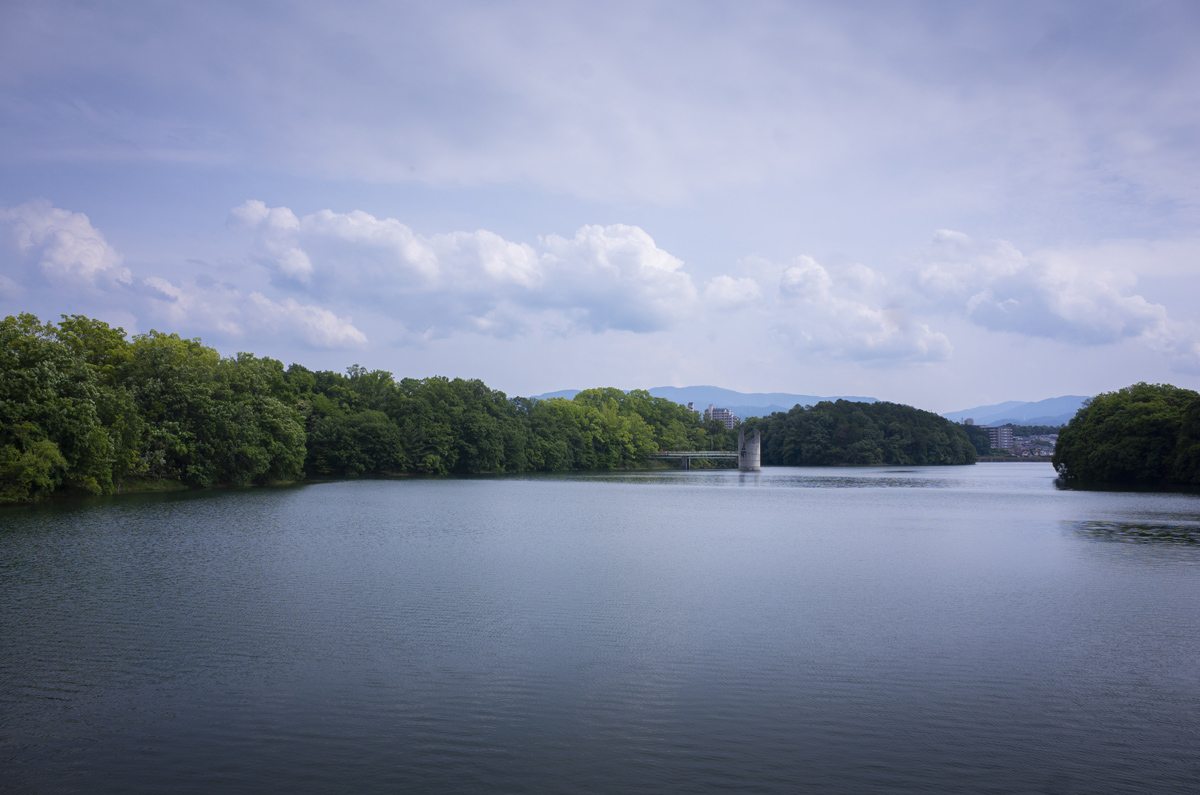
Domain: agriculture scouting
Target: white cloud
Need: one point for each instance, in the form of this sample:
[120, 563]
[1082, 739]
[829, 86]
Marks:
[469, 255]
[397, 244]
[74, 254]
[317, 326]
[605, 277]
[295, 263]
[726, 292]
[835, 317]
[70, 251]
[277, 227]
[1051, 295]
[229, 312]
[617, 277]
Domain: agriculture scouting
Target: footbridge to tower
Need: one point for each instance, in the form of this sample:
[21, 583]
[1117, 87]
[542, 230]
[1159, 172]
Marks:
[688, 456]
[748, 455]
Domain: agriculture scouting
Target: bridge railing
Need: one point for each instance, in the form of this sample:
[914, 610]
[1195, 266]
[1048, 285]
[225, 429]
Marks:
[696, 454]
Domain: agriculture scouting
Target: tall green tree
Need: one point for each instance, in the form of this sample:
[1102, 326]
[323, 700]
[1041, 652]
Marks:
[51, 435]
[212, 420]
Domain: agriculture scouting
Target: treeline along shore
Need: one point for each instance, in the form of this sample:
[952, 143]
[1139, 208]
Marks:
[86, 409]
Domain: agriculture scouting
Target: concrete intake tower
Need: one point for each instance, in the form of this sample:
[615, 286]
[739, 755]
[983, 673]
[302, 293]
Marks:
[749, 451]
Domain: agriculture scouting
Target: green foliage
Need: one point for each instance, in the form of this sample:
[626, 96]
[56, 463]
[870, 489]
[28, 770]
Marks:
[1033, 430]
[1145, 434]
[83, 408]
[619, 428]
[51, 435]
[102, 347]
[352, 445]
[212, 420]
[980, 439]
[842, 432]
[31, 469]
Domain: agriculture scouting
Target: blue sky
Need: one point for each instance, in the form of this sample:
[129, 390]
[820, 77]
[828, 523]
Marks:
[945, 204]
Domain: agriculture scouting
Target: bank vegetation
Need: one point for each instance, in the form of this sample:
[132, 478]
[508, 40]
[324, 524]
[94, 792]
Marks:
[85, 409]
[1142, 435]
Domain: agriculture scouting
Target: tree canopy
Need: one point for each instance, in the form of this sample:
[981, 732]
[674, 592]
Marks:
[86, 409]
[844, 432]
[1145, 434]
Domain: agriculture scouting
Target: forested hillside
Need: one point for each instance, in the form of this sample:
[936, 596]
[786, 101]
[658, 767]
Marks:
[1145, 434]
[842, 432]
[84, 409]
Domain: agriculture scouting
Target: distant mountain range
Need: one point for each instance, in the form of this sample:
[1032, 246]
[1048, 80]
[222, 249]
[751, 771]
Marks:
[742, 404]
[1052, 411]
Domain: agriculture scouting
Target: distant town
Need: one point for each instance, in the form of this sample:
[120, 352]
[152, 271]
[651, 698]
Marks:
[1035, 445]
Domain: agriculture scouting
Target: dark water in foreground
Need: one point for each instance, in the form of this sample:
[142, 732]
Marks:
[948, 630]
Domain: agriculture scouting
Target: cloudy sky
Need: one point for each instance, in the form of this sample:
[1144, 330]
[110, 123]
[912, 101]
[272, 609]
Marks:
[944, 204]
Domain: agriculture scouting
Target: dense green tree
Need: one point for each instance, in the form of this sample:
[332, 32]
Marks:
[1034, 430]
[843, 432]
[366, 442]
[980, 439]
[51, 435]
[84, 408]
[1145, 434]
[213, 420]
[628, 426]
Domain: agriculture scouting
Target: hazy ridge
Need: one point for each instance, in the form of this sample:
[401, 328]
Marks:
[1051, 411]
[742, 404]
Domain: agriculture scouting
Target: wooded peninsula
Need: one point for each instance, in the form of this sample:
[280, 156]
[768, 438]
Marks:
[85, 409]
[1142, 435]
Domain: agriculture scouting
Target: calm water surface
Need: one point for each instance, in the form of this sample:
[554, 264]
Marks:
[918, 630]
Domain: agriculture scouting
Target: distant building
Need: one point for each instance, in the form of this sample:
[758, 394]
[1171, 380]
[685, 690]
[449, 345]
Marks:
[1036, 446]
[1001, 438]
[721, 415]
[967, 421]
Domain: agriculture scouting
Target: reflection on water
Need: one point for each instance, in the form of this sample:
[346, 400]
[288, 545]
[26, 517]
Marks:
[791, 478]
[1127, 488]
[1139, 532]
[794, 482]
[918, 629]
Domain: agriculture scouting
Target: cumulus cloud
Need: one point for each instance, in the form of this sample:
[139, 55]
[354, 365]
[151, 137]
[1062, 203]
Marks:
[70, 251]
[1047, 295]
[726, 292]
[617, 277]
[836, 316]
[604, 277]
[74, 255]
[278, 226]
[230, 312]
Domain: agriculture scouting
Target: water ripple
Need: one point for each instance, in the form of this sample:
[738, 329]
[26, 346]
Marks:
[900, 630]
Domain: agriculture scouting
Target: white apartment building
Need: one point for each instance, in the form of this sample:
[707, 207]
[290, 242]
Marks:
[1001, 438]
[721, 415]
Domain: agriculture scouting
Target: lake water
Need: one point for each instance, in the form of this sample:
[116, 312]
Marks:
[965, 629]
